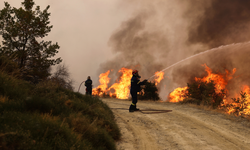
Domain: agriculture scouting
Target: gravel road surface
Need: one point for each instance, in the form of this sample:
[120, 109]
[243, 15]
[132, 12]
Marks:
[183, 128]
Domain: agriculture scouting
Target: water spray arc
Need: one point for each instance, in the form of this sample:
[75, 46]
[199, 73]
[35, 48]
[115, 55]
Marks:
[213, 49]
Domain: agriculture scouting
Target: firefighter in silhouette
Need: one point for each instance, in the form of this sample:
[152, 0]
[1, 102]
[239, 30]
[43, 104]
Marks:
[88, 84]
[135, 87]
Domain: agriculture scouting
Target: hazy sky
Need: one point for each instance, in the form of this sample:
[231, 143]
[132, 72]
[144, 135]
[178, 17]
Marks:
[99, 35]
[82, 29]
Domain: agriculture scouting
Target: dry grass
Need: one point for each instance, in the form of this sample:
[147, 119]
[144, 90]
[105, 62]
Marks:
[3, 99]
[47, 116]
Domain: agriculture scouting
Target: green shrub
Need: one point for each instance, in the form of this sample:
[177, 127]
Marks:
[9, 66]
[40, 104]
[11, 105]
[90, 130]
[46, 116]
[35, 131]
[13, 88]
[97, 109]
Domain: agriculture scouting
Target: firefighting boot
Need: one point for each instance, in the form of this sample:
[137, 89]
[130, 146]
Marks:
[136, 109]
[132, 108]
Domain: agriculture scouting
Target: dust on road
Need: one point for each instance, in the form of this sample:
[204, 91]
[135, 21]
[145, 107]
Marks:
[185, 128]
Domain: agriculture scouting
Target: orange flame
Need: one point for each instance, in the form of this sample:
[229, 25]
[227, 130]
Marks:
[104, 81]
[219, 79]
[242, 103]
[220, 82]
[159, 75]
[178, 95]
[121, 89]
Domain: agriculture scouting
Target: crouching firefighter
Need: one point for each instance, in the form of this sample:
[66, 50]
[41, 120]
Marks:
[135, 87]
[88, 84]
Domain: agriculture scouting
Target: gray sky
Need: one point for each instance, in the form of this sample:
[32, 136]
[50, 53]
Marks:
[82, 29]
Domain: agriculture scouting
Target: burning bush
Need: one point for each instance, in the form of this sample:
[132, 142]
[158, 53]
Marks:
[199, 92]
[149, 92]
[209, 90]
[239, 106]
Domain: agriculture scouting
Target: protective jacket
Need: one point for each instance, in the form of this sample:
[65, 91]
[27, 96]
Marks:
[88, 84]
[135, 84]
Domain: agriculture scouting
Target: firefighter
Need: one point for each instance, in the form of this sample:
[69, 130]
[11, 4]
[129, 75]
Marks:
[88, 84]
[135, 87]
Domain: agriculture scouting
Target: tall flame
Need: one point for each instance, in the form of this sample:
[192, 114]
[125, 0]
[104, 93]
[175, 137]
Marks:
[121, 88]
[104, 81]
[220, 82]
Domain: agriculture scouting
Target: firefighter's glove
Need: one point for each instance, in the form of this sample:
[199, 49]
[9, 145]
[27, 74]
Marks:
[145, 80]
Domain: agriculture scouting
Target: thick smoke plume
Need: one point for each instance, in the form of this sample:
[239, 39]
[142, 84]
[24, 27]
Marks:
[161, 33]
[223, 22]
[145, 41]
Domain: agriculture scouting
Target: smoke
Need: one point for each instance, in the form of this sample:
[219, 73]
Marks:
[223, 22]
[161, 33]
[136, 47]
[148, 40]
[219, 60]
[154, 37]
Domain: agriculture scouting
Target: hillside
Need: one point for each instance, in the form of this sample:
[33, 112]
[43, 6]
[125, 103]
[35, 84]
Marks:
[46, 116]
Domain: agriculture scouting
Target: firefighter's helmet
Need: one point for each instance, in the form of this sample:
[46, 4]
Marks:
[135, 72]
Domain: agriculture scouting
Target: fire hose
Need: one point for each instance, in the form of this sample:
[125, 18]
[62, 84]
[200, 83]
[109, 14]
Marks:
[80, 86]
[148, 111]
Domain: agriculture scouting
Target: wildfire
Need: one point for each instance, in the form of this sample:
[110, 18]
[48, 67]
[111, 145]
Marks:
[241, 105]
[178, 94]
[104, 81]
[159, 75]
[219, 80]
[120, 89]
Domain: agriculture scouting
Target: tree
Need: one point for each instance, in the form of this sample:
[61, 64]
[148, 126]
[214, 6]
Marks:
[62, 77]
[23, 30]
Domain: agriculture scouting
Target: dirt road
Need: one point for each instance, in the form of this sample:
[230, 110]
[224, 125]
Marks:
[185, 128]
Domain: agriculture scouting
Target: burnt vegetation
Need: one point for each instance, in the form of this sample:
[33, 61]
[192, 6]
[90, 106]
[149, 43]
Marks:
[203, 93]
[238, 105]
[149, 92]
